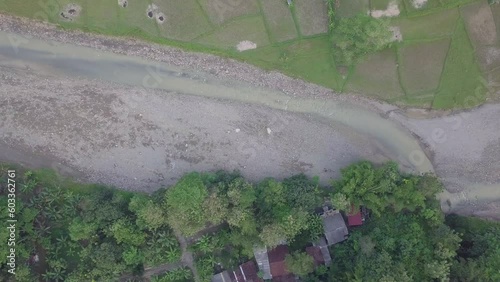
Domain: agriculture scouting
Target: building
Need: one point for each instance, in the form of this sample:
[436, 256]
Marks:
[334, 226]
[246, 272]
[262, 259]
[354, 217]
[221, 277]
[322, 246]
[272, 263]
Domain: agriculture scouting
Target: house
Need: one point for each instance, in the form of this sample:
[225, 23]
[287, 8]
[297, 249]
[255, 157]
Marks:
[322, 246]
[221, 277]
[277, 261]
[334, 226]
[272, 263]
[354, 217]
[246, 272]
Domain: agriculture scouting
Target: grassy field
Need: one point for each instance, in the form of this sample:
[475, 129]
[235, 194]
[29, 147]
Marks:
[461, 83]
[443, 41]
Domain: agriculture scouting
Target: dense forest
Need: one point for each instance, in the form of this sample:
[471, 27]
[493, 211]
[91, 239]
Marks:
[66, 231]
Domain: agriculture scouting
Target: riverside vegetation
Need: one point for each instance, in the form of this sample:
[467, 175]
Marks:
[78, 232]
[440, 60]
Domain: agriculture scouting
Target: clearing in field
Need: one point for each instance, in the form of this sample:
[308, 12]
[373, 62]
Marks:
[279, 20]
[422, 65]
[392, 10]
[133, 18]
[230, 35]
[350, 8]
[414, 6]
[103, 15]
[461, 82]
[184, 20]
[480, 24]
[488, 57]
[376, 76]
[72, 12]
[220, 11]
[312, 16]
[433, 26]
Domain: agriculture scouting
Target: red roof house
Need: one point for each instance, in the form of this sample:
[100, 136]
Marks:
[277, 263]
[354, 217]
[315, 253]
[246, 272]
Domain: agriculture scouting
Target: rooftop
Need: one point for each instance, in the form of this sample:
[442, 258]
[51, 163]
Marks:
[335, 227]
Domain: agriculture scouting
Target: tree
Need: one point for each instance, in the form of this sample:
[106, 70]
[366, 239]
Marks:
[382, 188]
[149, 215]
[357, 36]
[299, 263]
[80, 230]
[124, 232]
[301, 193]
[216, 208]
[272, 235]
[184, 202]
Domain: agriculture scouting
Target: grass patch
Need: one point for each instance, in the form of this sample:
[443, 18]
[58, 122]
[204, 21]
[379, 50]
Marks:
[220, 11]
[44, 10]
[102, 15]
[461, 83]
[383, 4]
[229, 35]
[433, 26]
[184, 19]
[312, 16]
[309, 59]
[423, 100]
[350, 8]
[422, 65]
[376, 76]
[279, 20]
[133, 19]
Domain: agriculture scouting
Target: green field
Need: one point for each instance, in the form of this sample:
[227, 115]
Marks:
[422, 65]
[440, 62]
[377, 76]
[461, 83]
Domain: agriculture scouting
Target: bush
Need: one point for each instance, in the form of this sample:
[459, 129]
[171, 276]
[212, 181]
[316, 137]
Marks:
[357, 36]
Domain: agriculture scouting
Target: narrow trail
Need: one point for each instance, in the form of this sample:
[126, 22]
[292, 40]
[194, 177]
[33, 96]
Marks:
[187, 256]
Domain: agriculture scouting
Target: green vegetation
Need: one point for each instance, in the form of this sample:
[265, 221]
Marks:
[299, 263]
[357, 36]
[462, 85]
[479, 253]
[83, 232]
[89, 232]
[327, 42]
[176, 275]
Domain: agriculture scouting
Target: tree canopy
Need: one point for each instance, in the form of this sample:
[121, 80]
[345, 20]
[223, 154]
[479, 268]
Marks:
[357, 36]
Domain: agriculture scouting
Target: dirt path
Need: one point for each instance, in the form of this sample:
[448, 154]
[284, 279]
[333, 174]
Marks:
[187, 256]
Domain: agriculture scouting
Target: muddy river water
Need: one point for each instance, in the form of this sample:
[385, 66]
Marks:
[397, 137]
